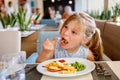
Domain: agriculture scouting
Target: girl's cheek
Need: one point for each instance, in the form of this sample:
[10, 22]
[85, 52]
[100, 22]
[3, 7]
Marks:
[62, 32]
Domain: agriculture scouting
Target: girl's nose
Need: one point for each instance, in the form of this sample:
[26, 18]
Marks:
[67, 32]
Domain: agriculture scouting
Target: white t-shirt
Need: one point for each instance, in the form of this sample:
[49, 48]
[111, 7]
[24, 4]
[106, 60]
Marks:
[10, 10]
[62, 53]
[27, 8]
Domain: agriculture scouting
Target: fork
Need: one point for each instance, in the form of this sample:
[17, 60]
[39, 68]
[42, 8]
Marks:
[102, 73]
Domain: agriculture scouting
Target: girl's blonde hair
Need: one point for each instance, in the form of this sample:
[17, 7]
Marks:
[91, 31]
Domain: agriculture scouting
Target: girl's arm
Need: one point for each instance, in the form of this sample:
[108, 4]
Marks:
[90, 55]
[47, 51]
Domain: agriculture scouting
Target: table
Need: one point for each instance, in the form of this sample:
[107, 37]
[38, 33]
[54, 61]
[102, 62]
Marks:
[26, 33]
[29, 43]
[42, 27]
[37, 27]
[34, 74]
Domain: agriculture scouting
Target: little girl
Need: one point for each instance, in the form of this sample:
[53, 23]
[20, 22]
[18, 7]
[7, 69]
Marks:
[79, 38]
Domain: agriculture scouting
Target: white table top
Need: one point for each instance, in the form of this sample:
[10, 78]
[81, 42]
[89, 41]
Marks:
[26, 33]
[37, 27]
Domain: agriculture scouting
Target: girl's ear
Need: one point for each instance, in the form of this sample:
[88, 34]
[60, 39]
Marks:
[85, 40]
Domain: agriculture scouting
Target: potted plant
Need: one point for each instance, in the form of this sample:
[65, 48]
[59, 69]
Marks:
[22, 22]
[8, 20]
[116, 12]
[105, 15]
[35, 20]
[95, 14]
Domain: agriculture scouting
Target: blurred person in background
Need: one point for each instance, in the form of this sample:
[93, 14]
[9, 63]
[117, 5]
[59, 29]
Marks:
[58, 15]
[33, 10]
[49, 13]
[52, 12]
[3, 10]
[60, 9]
[27, 7]
[37, 12]
[10, 8]
[68, 12]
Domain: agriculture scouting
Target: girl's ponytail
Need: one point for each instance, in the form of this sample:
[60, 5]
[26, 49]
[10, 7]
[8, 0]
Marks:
[95, 45]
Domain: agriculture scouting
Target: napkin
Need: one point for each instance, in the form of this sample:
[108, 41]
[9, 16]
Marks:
[82, 77]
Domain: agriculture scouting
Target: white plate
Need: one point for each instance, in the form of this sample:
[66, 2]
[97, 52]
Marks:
[90, 66]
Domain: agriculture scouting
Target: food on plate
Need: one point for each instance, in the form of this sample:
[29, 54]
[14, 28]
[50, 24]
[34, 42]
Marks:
[63, 67]
[78, 66]
[68, 69]
[61, 60]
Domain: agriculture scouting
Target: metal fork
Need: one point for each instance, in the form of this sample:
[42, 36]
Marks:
[102, 73]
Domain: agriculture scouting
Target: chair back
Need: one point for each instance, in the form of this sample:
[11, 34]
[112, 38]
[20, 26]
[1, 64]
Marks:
[10, 42]
[43, 35]
[49, 22]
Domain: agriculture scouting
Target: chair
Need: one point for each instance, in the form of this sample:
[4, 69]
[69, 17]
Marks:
[10, 43]
[49, 22]
[42, 36]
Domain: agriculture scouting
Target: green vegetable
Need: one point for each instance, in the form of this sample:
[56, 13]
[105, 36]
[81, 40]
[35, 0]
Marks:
[78, 66]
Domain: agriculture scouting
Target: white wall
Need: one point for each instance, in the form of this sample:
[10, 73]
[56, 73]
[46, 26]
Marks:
[40, 4]
[95, 5]
[112, 3]
[89, 5]
[80, 5]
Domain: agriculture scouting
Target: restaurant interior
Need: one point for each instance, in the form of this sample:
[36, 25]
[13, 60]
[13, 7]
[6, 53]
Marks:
[26, 24]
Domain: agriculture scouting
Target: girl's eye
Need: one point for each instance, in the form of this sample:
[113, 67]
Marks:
[74, 32]
[66, 27]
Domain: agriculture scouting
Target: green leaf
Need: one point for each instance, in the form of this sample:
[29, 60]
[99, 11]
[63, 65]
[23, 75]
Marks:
[37, 17]
[13, 19]
[2, 21]
[13, 22]
[27, 24]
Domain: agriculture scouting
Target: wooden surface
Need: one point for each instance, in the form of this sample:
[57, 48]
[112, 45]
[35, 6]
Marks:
[29, 44]
[111, 41]
[110, 33]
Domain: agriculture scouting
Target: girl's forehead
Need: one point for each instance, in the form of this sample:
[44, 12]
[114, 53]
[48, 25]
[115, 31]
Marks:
[75, 25]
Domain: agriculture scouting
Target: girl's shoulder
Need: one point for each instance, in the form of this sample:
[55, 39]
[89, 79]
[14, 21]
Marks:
[90, 54]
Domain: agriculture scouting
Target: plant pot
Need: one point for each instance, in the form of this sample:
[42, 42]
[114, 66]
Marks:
[114, 19]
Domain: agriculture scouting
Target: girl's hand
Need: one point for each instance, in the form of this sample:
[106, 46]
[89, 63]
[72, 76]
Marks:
[48, 45]
[48, 50]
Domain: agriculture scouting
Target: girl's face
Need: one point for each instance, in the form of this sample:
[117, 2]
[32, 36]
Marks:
[71, 36]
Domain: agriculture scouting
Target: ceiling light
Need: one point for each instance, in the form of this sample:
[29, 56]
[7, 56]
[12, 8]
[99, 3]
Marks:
[52, 1]
[70, 2]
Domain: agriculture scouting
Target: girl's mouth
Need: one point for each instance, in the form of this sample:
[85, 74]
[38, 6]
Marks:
[63, 40]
